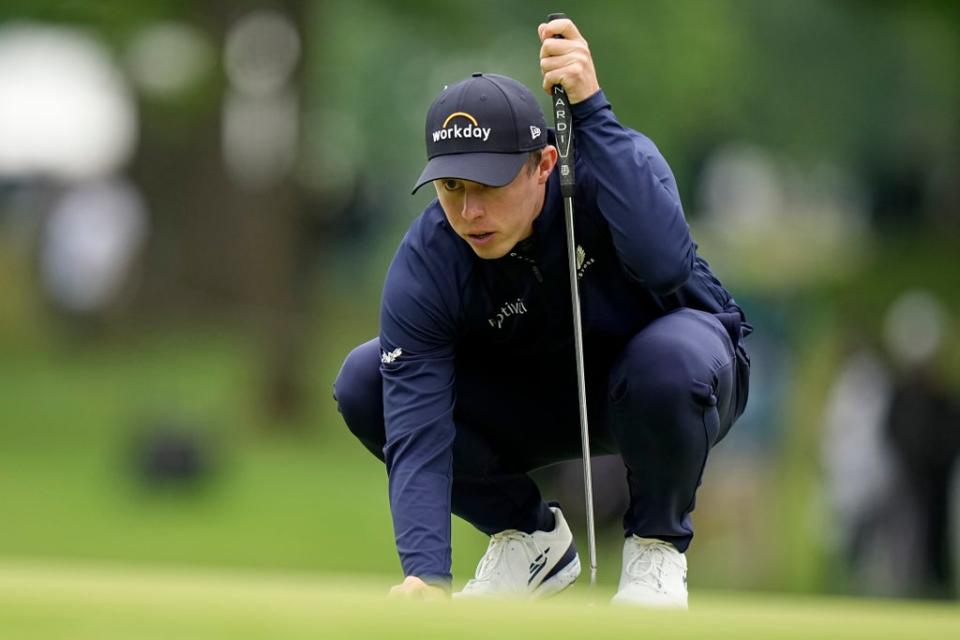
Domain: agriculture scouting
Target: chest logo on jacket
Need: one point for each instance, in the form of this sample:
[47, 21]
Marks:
[582, 261]
[509, 309]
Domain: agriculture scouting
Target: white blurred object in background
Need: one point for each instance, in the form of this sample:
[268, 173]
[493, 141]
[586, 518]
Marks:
[913, 328]
[770, 221]
[166, 59]
[859, 465]
[261, 110]
[90, 244]
[65, 109]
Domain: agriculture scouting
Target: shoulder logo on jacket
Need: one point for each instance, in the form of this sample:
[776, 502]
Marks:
[582, 261]
[390, 357]
[508, 310]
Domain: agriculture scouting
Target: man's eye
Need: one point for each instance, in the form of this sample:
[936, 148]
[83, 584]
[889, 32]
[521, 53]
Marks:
[451, 185]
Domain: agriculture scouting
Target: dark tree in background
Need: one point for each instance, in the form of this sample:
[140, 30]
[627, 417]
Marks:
[218, 166]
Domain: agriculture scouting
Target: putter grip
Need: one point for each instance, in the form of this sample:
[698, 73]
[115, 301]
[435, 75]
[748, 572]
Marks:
[563, 124]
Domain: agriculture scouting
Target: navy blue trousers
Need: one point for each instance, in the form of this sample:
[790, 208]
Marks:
[661, 402]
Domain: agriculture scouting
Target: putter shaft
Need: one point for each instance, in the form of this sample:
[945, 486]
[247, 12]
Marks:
[581, 387]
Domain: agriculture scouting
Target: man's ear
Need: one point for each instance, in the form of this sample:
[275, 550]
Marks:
[548, 160]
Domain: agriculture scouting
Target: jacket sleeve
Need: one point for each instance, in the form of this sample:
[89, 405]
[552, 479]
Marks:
[636, 194]
[417, 365]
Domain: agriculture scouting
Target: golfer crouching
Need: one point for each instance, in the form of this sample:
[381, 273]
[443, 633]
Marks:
[472, 382]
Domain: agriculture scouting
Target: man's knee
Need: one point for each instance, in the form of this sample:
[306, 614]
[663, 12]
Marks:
[675, 377]
[358, 391]
[655, 375]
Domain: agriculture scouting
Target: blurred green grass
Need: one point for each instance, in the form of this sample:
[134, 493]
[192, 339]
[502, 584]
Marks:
[78, 602]
[276, 498]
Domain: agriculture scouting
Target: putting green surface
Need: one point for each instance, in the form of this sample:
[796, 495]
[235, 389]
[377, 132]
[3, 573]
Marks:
[80, 602]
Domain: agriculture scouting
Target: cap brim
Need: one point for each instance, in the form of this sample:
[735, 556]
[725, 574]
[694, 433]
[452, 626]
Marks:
[493, 169]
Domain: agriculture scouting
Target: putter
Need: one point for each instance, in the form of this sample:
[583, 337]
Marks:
[563, 121]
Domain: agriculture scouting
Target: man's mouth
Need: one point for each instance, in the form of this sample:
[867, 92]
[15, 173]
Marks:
[480, 238]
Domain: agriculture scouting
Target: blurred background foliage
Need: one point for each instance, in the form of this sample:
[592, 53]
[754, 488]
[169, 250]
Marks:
[183, 414]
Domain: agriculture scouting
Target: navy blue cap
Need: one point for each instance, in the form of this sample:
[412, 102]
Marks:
[482, 129]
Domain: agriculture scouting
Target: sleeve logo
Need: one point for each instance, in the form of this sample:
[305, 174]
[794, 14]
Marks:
[390, 357]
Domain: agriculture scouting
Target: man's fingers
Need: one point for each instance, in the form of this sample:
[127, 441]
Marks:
[572, 69]
[566, 61]
[550, 48]
[560, 27]
[553, 78]
[558, 62]
[413, 588]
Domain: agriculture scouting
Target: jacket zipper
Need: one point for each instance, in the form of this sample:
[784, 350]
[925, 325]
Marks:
[533, 263]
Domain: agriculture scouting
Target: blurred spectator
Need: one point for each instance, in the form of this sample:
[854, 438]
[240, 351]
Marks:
[891, 443]
[861, 477]
[923, 425]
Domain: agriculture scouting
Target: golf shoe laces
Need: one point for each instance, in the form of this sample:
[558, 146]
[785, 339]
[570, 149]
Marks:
[647, 566]
[497, 550]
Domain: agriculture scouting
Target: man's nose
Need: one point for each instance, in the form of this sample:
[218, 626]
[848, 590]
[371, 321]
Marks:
[472, 206]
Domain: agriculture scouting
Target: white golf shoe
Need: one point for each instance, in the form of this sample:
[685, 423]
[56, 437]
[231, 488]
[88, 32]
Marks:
[526, 565]
[654, 574]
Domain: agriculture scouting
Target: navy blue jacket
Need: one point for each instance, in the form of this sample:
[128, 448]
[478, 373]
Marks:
[442, 305]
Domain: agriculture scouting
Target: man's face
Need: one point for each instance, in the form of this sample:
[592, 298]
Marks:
[494, 219]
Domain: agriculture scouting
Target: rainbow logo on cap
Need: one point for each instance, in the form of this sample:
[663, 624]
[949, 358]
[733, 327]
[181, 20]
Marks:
[459, 113]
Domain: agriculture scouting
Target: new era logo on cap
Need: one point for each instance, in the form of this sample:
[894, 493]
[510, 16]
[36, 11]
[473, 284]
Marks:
[481, 129]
